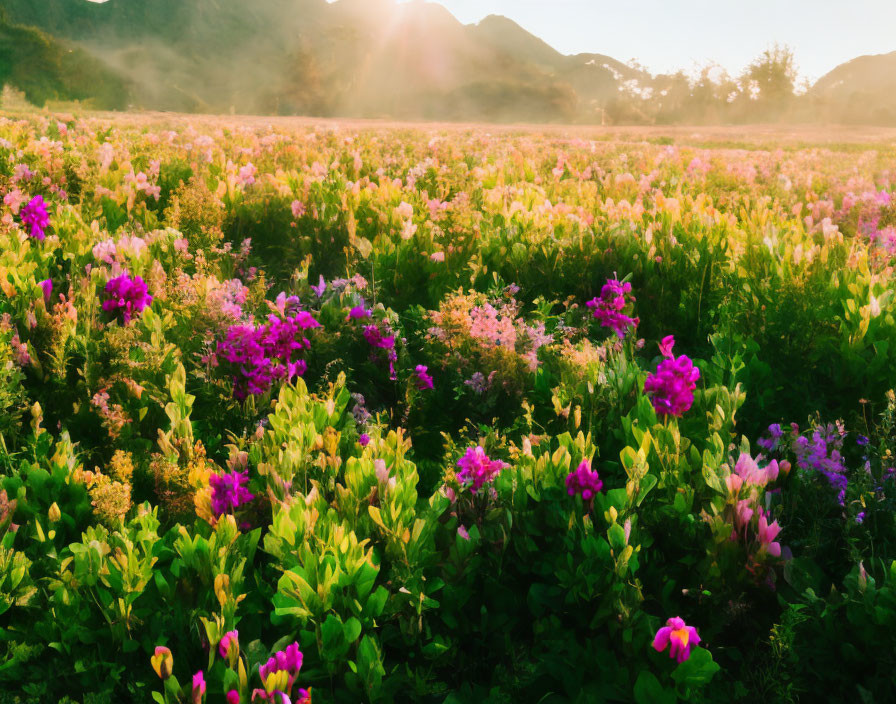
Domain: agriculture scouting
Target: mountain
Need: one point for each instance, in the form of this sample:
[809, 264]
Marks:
[373, 58]
[352, 57]
[860, 91]
[45, 68]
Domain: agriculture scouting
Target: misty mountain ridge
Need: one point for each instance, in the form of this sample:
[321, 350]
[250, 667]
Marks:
[354, 58]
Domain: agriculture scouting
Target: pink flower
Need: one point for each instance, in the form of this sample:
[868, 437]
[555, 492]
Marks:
[767, 535]
[198, 687]
[463, 533]
[476, 469]
[666, 346]
[671, 387]
[230, 640]
[681, 637]
[233, 697]
[298, 209]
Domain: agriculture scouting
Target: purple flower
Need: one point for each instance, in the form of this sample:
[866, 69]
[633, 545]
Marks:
[860, 517]
[264, 355]
[861, 441]
[609, 306]
[320, 288]
[771, 443]
[424, 380]
[358, 312]
[127, 297]
[364, 440]
[47, 286]
[477, 469]
[583, 480]
[671, 388]
[229, 492]
[681, 637]
[35, 217]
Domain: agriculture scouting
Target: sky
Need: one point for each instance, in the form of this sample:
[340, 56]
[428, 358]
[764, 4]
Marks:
[666, 35]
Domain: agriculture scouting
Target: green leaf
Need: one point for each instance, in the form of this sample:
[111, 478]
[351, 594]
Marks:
[648, 690]
[698, 669]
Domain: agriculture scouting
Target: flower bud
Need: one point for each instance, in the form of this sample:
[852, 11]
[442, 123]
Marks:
[162, 662]
[54, 513]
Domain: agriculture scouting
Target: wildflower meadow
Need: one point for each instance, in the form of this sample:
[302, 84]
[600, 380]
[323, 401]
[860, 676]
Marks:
[348, 412]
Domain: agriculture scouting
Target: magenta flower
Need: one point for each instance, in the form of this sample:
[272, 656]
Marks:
[609, 306]
[288, 661]
[229, 492]
[358, 312]
[233, 697]
[303, 696]
[47, 287]
[583, 480]
[264, 355]
[364, 440]
[424, 380]
[375, 338]
[35, 217]
[198, 687]
[671, 387]
[230, 639]
[127, 297]
[476, 469]
[681, 636]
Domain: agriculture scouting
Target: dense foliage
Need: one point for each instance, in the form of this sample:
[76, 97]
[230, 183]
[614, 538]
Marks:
[371, 415]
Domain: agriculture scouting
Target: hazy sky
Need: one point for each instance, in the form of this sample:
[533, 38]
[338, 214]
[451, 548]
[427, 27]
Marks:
[665, 35]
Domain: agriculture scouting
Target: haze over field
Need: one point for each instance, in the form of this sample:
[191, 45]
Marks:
[694, 62]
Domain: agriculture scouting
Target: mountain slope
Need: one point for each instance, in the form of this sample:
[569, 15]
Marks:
[862, 90]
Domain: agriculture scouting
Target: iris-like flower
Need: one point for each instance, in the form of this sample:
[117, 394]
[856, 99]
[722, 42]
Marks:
[127, 297]
[162, 662]
[476, 469]
[424, 380]
[609, 306]
[671, 388]
[680, 636]
[229, 492]
[35, 217]
[584, 480]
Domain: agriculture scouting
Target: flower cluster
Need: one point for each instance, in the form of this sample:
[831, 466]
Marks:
[680, 636]
[229, 492]
[476, 469]
[609, 306]
[584, 480]
[127, 297]
[263, 355]
[279, 674]
[671, 388]
[35, 217]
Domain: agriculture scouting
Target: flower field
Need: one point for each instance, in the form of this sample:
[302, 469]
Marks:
[337, 412]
